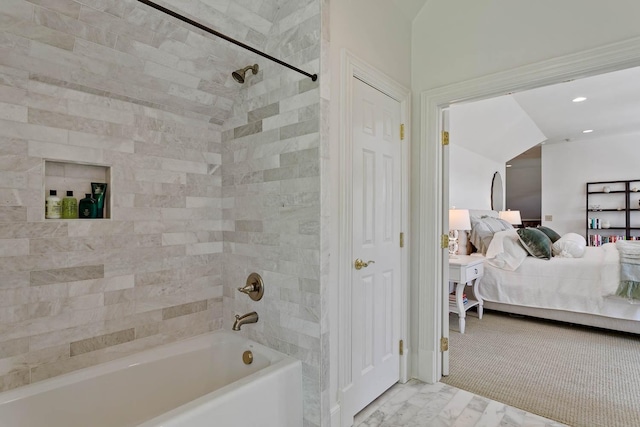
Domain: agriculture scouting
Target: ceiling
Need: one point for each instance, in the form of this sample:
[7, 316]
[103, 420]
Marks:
[612, 107]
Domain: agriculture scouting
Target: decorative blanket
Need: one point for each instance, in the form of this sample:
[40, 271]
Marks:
[629, 269]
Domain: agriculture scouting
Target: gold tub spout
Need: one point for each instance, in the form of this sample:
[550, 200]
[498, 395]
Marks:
[244, 319]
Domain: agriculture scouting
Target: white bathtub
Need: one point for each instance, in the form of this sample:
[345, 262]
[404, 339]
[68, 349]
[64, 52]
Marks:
[197, 382]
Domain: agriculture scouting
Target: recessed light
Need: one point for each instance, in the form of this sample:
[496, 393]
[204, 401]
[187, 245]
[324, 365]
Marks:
[508, 166]
[579, 99]
[587, 131]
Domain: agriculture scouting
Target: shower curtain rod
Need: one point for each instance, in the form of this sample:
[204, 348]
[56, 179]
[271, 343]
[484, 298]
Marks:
[176, 15]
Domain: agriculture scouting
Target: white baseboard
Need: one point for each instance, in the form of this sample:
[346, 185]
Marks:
[427, 366]
[335, 416]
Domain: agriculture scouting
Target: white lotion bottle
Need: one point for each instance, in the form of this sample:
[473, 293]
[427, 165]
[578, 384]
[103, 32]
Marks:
[52, 205]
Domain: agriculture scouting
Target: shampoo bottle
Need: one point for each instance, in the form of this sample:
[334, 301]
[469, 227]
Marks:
[69, 206]
[98, 190]
[52, 205]
[87, 207]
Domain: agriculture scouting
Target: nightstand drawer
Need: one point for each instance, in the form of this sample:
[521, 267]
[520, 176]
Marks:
[473, 272]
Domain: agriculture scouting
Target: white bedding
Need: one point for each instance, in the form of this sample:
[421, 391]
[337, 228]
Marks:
[583, 285]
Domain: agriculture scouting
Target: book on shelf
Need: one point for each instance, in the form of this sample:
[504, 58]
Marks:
[452, 298]
[599, 239]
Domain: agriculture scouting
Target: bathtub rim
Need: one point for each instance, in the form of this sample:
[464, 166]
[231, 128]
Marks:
[162, 351]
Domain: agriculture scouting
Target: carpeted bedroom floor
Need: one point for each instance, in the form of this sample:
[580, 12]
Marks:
[580, 376]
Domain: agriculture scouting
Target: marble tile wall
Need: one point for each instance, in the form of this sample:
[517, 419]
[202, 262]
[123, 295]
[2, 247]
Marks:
[271, 183]
[115, 83]
[211, 180]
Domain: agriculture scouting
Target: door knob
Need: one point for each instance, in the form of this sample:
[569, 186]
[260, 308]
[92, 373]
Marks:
[359, 264]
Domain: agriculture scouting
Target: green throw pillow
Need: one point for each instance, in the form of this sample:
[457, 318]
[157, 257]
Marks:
[551, 234]
[535, 242]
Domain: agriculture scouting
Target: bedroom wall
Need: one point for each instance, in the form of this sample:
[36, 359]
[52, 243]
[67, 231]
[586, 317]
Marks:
[470, 176]
[523, 186]
[567, 167]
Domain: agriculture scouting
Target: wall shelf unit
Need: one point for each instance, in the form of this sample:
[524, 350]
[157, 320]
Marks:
[612, 211]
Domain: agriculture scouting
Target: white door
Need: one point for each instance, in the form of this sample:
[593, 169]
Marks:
[376, 285]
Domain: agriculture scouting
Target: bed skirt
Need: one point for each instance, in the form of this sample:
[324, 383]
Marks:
[594, 320]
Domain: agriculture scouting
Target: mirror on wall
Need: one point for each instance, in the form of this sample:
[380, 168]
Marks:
[497, 192]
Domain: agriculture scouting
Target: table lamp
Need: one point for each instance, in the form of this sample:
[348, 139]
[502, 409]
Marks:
[458, 220]
[512, 217]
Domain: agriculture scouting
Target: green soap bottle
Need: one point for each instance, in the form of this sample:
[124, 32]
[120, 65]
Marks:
[69, 206]
[87, 207]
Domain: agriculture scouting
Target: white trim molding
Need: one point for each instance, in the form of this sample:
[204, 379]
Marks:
[352, 66]
[431, 200]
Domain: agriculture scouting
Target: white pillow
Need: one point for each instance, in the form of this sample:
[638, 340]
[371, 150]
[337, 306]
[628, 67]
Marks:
[497, 243]
[571, 245]
[505, 251]
[483, 229]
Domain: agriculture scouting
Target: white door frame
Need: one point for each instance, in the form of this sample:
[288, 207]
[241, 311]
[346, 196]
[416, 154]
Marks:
[444, 324]
[432, 271]
[351, 67]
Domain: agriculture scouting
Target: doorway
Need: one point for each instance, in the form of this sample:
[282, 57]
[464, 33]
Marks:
[432, 202]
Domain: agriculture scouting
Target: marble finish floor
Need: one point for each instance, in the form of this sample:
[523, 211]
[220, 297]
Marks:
[416, 404]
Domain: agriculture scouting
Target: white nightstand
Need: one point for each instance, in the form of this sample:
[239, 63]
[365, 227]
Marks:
[465, 270]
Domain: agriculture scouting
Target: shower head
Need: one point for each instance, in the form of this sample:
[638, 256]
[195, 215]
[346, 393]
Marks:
[238, 75]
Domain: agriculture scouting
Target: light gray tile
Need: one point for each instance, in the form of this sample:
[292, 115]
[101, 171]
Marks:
[183, 309]
[68, 8]
[71, 274]
[264, 112]
[12, 214]
[165, 73]
[102, 341]
[249, 129]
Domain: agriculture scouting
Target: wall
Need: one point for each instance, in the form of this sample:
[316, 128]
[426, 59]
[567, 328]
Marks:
[567, 167]
[496, 35]
[122, 85]
[85, 84]
[498, 127]
[382, 38]
[271, 199]
[119, 84]
[470, 177]
[524, 187]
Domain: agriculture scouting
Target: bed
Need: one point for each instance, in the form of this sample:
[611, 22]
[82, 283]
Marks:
[579, 290]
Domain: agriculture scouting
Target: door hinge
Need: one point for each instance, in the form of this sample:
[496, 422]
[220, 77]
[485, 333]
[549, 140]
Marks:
[445, 137]
[402, 132]
[444, 241]
[402, 240]
[401, 347]
[444, 344]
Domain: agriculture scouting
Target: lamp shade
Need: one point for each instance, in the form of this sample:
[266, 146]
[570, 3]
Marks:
[512, 217]
[459, 219]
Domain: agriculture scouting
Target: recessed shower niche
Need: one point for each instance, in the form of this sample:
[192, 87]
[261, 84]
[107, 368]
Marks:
[81, 179]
